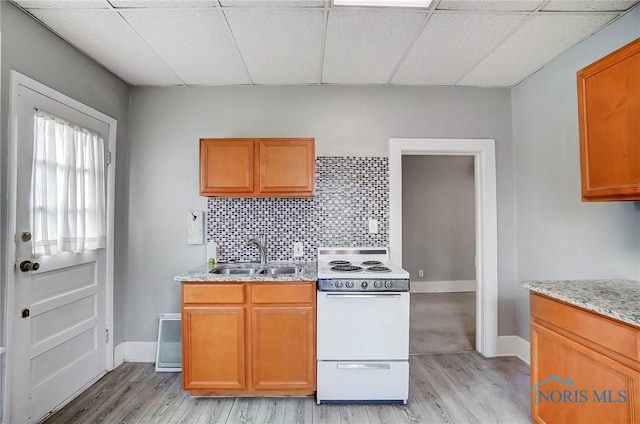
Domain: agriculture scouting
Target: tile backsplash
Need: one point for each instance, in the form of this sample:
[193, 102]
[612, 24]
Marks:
[349, 192]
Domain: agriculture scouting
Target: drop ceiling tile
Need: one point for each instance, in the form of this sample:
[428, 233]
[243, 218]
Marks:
[279, 46]
[163, 3]
[272, 3]
[452, 44]
[364, 46]
[499, 5]
[588, 5]
[196, 44]
[63, 4]
[106, 37]
[534, 45]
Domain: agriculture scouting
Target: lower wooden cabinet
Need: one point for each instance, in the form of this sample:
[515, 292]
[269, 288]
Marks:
[584, 367]
[251, 338]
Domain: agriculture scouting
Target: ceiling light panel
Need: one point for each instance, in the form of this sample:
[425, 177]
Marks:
[488, 5]
[534, 45]
[112, 43]
[163, 3]
[383, 3]
[364, 46]
[272, 3]
[452, 44]
[279, 46]
[63, 4]
[588, 6]
[196, 44]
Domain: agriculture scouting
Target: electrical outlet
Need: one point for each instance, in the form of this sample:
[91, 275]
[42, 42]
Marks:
[298, 249]
[373, 226]
[421, 273]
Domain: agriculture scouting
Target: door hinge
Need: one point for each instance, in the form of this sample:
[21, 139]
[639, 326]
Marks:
[108, 157]
[106, 336]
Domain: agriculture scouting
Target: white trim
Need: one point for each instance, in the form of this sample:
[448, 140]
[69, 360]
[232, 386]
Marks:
[483, 152]
[136, 352]
[118, 355]
[452, 286]
[17, 79]
[514, 346]
[2, 350]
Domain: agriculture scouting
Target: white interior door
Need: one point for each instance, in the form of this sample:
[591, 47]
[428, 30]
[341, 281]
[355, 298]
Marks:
[59, 317]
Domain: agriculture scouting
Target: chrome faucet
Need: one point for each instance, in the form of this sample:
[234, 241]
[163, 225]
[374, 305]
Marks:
[261, 242]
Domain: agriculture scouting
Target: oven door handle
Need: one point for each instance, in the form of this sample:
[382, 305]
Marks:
[363, 366]
[364, 295]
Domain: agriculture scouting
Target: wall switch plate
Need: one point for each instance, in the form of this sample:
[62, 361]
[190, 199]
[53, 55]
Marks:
[195, 227]
[373, 226]
[421, 273]
[298, 249]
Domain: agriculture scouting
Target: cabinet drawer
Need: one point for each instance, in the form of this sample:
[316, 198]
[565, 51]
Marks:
[212, 293]
[283, 293]
[606, 332]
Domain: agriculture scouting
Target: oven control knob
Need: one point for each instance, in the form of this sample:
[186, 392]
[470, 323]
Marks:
[349, 284]
[387, 284]
[377, 284]
[364, 285]
[338, 284]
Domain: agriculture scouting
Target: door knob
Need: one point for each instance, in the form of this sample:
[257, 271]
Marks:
[26, 266]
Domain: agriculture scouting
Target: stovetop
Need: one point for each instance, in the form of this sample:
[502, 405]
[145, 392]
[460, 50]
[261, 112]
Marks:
[359, 269]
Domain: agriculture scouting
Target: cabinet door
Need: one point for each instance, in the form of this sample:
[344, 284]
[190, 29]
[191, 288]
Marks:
[227, 166]
[213, 347]
[593, 387]
[283, 347]
[287, 166]
[609, 116]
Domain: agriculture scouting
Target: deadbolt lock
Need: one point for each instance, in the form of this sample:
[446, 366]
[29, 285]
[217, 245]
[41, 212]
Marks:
[25, 236]
[25, 313]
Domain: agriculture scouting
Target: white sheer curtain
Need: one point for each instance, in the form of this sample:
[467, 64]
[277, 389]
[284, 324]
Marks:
[68, 187]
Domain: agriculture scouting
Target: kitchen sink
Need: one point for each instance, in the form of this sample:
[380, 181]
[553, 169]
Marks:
[255, 270]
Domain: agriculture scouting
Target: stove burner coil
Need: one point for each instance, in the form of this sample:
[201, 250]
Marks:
[378, 269]
[346, 268]
[371, 263]
[339, 262]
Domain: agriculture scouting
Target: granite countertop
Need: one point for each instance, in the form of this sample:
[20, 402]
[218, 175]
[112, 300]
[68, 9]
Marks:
[308, 273]
[614, 298]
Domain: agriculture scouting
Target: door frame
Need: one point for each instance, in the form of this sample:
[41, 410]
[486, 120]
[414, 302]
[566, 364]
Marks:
[16, 80]
[483, 152]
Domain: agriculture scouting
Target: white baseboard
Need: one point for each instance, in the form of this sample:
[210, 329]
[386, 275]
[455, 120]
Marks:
[443, 286]
[513, 345]
[134, 352]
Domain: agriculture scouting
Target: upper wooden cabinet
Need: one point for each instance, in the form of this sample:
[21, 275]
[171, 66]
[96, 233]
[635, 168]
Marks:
[609, 119]
[264, 167]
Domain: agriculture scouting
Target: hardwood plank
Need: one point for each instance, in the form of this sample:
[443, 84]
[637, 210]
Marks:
[141, 402]
[216, 410]
[163, 408]
[354, 414]
[329, 414]
[244, 410]
[299, 410]
[271, 410]
[189, 410]
[383, 414]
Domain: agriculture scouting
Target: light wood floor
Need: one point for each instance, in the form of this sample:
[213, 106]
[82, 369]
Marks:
[447, 388]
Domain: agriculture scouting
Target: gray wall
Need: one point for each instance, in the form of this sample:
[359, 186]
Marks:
[166, 124]
[438, 217]
[558, 236]
[34, 51]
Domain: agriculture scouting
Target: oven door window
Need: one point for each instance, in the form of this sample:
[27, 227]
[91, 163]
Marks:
[363, 326]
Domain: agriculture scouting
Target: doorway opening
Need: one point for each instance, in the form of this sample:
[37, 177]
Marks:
[482, 152]
[438, 245]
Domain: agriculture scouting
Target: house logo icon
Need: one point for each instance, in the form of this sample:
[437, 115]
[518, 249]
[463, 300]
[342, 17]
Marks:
[536, 386]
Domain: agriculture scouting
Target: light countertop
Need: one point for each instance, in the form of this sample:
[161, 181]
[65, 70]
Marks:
[614, 298]
[308, 273]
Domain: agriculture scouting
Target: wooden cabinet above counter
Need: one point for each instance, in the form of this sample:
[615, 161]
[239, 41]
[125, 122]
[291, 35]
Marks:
[609, 120]
[257, 167]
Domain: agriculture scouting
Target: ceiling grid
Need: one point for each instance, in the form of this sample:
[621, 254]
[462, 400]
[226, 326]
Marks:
[486, 43]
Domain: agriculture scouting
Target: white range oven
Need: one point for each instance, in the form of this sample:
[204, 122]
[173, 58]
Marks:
[362, 327]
